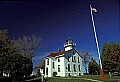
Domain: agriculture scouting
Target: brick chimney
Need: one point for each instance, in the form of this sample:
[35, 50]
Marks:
[59, 50]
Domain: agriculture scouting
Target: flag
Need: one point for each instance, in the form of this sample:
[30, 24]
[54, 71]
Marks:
[94, 9]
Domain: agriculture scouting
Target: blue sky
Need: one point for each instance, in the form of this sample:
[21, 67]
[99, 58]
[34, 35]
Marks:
[57, 20]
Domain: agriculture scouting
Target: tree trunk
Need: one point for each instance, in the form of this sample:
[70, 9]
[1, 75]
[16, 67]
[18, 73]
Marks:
[1, 73]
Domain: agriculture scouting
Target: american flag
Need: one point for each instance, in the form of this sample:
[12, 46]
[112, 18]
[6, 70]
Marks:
[94, 9]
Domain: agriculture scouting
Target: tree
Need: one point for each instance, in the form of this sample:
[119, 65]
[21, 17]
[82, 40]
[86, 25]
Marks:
[111, 57]
[26, 45]
[93, 67]
[4, 49]
[16, 55]
[4, 41]
[17, 67]
[86, 59]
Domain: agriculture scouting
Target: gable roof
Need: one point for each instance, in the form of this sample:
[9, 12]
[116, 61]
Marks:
[56, 54]
[41, 65]
[61, 53]
[78, 53]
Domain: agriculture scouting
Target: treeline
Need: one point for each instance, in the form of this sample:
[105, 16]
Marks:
[16, 56]
[110, 57]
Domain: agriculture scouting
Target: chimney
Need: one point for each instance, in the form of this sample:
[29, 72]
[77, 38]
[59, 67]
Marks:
[59, 50]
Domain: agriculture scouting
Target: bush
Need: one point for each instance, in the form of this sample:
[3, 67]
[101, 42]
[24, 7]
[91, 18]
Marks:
[54, 74]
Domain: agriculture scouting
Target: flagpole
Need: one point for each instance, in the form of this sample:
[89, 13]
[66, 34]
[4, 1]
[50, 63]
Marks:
[96, 36]
[93, 23]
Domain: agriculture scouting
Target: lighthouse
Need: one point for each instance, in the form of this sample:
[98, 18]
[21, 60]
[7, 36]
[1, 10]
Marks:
[69, 45]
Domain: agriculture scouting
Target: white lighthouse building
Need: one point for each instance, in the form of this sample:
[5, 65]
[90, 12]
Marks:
[69, 45]
[64, 63]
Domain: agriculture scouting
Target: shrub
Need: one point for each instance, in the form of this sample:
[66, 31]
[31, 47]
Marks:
[54, 74]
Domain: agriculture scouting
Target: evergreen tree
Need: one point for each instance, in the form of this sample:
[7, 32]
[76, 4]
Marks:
[93, 67]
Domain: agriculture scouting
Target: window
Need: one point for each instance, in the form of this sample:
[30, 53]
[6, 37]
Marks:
[74, 58]
[79, 74]
[68, 58]
[73, 52]
[74, 67]
[53, 65]
[38, 70]
[47, 61]
[68, 67]
[69, 74]
[78, 60]
[58, 68]
[46, 71]
[58, 59]
[79, 67]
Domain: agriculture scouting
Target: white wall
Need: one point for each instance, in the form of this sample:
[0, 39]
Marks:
[53, 59]
[64, 65]
[72, 72]
[49, 67]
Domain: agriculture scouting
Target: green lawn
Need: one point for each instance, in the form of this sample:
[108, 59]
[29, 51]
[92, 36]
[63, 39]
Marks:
[37, 79]
[59, 79]
[85, 78]
[97, 77]
[66, 80]
[113, 79]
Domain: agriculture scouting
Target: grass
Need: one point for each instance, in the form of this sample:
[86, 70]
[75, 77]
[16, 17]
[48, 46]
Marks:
[76, 79]
[95, 77]
[37, 79]
[113, 79]
[60, 79]
[82, 78]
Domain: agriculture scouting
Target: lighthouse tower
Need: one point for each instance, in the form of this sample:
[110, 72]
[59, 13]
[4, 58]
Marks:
[69, 45]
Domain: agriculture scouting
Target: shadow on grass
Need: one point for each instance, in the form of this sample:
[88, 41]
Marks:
[112, 81]
[37, 80]
[5, 79]
[34, 81]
